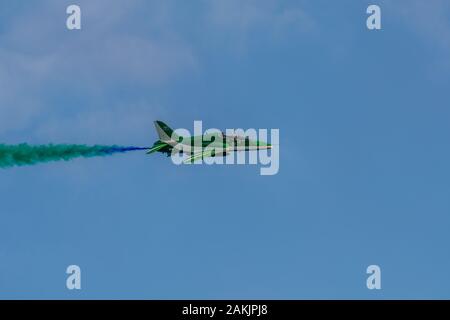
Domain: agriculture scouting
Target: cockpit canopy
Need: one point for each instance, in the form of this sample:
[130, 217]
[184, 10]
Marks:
[234, 137]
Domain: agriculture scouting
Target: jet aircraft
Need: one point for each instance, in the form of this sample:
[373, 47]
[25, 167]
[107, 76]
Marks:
[199, 147]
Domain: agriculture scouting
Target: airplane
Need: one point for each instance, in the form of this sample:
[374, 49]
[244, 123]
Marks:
[210, 145]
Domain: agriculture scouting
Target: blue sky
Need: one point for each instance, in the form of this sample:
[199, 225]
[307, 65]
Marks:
[363, 118]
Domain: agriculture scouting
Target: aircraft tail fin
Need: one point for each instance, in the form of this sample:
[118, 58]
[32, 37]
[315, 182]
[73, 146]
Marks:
[165, 133]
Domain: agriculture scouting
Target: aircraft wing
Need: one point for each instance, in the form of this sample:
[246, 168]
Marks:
[199, 155]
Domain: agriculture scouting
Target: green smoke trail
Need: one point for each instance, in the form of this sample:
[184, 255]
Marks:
[25, 154]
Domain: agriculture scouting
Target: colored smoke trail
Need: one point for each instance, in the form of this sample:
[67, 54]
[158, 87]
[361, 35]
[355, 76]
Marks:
[25, 154]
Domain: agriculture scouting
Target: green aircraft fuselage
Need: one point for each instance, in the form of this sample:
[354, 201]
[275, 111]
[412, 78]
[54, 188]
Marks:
[198, 147]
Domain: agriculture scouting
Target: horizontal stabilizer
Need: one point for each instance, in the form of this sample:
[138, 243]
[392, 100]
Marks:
[156, 148]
